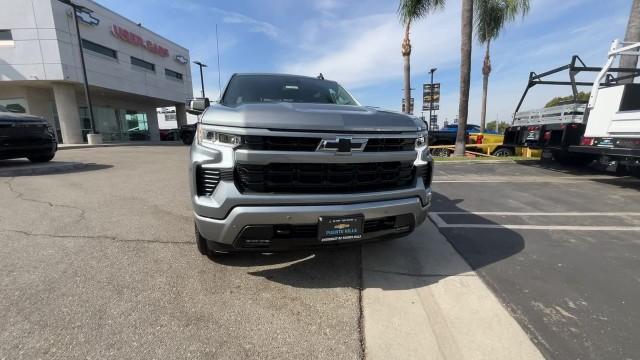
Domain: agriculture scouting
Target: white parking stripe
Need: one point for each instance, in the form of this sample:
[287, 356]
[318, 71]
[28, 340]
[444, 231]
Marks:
[531, 179]
[504, 213]
[440, 223]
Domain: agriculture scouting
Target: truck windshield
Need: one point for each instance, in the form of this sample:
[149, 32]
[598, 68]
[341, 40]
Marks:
[247, 89]
[3, 109]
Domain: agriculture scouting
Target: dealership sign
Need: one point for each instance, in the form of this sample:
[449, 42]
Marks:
[136, 40]
[86, 16]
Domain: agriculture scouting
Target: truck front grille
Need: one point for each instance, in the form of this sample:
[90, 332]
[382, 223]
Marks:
[280, 143]
[286, 143]
[324, 178]
[390, 144]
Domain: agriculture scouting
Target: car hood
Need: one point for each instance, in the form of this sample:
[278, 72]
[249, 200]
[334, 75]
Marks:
[312, 117]
[14, 118]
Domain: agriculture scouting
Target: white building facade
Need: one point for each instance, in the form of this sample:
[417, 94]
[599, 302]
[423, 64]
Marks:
[131, 70]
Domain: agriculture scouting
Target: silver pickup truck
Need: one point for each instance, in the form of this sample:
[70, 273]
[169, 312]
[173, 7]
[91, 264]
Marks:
[284, 161]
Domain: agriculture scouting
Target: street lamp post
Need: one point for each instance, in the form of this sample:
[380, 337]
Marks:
[431, 98]
[201, 65]
[87, 93]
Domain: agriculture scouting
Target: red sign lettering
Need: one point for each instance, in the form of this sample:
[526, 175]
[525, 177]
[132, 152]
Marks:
[136, 40]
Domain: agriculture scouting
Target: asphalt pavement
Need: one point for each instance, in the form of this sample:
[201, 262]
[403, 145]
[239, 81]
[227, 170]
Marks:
[97, 260]
[559, 246]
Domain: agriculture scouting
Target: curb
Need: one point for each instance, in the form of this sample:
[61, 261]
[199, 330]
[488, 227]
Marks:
[87, 146]
[40, 169]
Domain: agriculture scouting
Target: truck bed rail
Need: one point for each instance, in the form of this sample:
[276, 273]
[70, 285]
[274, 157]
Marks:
[561, 114]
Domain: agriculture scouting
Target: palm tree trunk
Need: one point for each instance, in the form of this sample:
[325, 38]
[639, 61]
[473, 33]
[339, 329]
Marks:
[632, 35]
[465, 74]
[406, 54]
[486, 70]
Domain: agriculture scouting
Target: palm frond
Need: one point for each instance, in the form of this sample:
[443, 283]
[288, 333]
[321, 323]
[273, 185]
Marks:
[409, 10]
[492, 15]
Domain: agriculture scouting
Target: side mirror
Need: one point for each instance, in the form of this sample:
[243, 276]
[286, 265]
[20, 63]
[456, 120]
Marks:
[197, 106]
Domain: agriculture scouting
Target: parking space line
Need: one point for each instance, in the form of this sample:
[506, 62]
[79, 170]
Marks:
[537, 180]
[505, 213]
[440, 223]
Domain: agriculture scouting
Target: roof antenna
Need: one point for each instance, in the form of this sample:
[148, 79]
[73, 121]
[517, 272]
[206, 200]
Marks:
[218, 52]
[321, 77]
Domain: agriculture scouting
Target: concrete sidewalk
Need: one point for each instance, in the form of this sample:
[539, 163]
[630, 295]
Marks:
[422, 301]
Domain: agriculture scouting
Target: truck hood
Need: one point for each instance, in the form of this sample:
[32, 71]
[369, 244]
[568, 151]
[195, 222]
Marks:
[14, 118]
[317, 117]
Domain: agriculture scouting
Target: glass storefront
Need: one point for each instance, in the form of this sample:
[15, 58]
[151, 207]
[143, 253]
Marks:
[115, 125]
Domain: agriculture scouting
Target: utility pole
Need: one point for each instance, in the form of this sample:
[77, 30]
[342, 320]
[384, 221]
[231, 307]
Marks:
[632, 35]
[201, 65]
[87, 93]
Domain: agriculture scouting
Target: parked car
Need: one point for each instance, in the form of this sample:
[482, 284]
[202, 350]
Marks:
[187, 132]
[169, 134]
[447, 136]
[24, 135]
[286, 161]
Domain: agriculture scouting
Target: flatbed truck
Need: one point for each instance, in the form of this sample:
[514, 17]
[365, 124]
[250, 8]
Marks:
[604, 129]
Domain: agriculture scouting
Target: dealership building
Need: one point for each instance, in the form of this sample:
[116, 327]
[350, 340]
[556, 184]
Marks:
[131, 70]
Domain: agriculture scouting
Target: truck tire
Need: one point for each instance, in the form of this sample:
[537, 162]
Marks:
[566, 158]
[201, 242]
[187, 140]
[502, 152]
[41, 158]
[203, 248]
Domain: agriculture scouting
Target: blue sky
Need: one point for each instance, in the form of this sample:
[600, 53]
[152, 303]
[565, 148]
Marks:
[357, 43]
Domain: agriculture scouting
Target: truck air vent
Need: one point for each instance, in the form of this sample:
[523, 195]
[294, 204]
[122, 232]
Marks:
[208, 179]
[426, 173]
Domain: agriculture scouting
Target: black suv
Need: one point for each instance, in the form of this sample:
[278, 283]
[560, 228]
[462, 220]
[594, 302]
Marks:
[23, 135]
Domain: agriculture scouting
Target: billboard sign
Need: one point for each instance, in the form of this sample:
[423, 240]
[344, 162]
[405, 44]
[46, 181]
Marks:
[430, 96]
[411, 108]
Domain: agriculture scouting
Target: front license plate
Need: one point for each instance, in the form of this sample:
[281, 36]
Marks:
[340, 228]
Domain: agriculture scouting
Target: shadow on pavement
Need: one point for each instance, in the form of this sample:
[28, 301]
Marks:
[421, 258]
[15, 168]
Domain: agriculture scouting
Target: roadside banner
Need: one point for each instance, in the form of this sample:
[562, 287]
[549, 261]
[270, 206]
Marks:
[430, 96]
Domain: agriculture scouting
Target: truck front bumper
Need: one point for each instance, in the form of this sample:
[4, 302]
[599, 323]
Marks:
[401, 216]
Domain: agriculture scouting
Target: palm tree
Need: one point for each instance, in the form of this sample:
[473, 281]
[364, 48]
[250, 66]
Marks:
[490, 17]
[632, 35]
[410, 10]
[465, 74]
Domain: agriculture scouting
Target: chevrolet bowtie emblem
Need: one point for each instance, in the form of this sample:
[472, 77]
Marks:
[342, 145]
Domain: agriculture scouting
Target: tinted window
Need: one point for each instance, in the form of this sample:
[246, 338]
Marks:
[630, 98]
[97, 48]
[244, 89]
[143, 64]
[5, 35]
[173, 74]
[3, 109]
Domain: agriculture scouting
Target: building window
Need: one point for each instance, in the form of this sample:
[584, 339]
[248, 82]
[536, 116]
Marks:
[6, 38]
[143, 64]
[97, 48]
[173, 74]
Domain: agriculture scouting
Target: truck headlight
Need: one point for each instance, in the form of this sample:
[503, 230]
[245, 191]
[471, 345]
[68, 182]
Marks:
[421, 141]
[207, 137]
